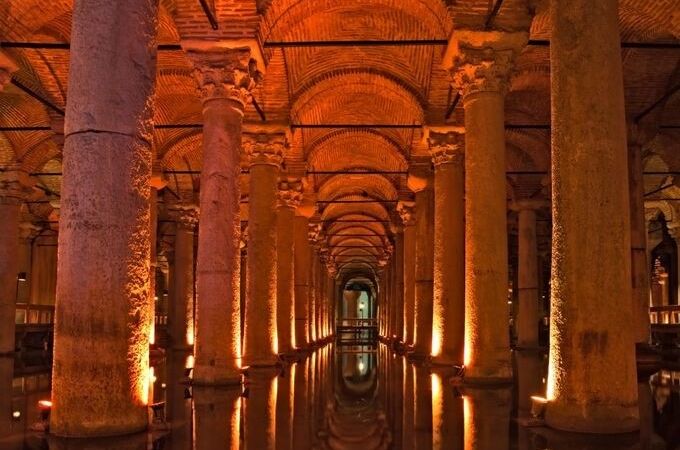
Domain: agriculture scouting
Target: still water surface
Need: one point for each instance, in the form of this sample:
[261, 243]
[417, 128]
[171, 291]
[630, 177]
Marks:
[336, 398]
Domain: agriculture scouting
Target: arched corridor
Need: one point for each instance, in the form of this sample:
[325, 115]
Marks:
[340, 224]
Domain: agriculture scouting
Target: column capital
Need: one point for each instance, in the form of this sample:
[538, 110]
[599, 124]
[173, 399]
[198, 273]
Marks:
[480, 61]
[7, 68]
[28, 231]
[290, 193]
[264, 148]
[407, 212]
[15, 186]
[446, 147]
[529, 204]
[419, 177]
[186, 215]
[225, 73]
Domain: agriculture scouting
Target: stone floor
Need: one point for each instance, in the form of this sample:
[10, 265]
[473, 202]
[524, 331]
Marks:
[339, 398]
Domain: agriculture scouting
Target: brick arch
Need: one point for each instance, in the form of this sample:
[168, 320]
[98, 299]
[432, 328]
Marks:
[376, 186]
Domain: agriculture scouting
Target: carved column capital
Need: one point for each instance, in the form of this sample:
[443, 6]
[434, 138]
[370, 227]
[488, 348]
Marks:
[447, 148]
[186, 215]
[266, 149]
[225, 73]
[407, 212]
[28, 231]
[290, 193]
[16, 186]
[481, 61]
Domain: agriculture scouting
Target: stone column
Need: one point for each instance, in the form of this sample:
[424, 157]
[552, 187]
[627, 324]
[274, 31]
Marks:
[313, 237]
[448, 321]
[407, 213]
[265, 152]
[303, 254]
[529, 315]
[225, 77]
[290, 196]
[101, 334]
[14, 186]
[399, 283]
[480, 66]
[591, 267]
[640, 268]
[331, 300]
[181, 310]
[422, 186]
[27, 235]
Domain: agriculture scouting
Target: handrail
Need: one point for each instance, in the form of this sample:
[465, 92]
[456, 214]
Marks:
[28, 314]
[665, 315]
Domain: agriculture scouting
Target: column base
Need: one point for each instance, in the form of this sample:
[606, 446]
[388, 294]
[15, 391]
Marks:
[208, 376]
[487, 381]
[600, 419]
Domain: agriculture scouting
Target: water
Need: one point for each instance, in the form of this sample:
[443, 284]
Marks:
[336, 398]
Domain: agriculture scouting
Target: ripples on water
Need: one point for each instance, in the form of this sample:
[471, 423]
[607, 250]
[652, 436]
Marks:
[336, 398]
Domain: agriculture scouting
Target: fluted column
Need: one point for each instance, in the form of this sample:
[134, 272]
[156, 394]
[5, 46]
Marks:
[104, 238]
[590, 339]
[303, 254]
[527, 281]
[422, 186]
[181, 310]
[265, 152]
[14, 186]
[480, 65]
[225, 78]
[448, 321]
[289, 198]
[407, 214]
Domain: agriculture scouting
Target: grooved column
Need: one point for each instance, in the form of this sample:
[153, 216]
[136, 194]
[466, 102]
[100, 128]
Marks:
[14, 185]
[407, 213]
[303, 254]
[590, 340]
[290, 195]
[422, 186]
[225, 77]
[102, 326]
[527, 279]
[448, 320]
[181, 310]
[265, 152]
[480, 69]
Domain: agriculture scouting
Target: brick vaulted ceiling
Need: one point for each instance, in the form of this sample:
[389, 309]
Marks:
[351, 85]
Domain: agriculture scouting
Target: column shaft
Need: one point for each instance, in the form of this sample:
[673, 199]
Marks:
[302, 258]
[101, 335]
[527, 283]
[181, 317]
[409, 282]
[424, 271]
[261, 346]
[448, 328]
[487, 352]
[285, 301]
[9, 267]
[399, 282]
[591, 267]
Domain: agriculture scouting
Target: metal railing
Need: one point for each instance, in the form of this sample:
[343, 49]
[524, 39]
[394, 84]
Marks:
[665, 315]
[27, 314]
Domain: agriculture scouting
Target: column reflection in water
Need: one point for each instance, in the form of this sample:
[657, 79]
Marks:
[217, 418]
[260, 409]
[140, 441]
[447, 414]
[486, 418]
[300, 404]
[285, 400]
[408, 433]
[422, 414]
[177, 405]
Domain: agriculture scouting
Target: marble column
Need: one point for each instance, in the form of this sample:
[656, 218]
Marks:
[181, 310]
[27, 235]
[14, 186]
[265, 152]
[313, 237]
[302, 256]
[406, 212]
[421, 184]
[479, 68]
[290, 196]
[529, 313]
[640, 268]
[331, 300]
[591, 267]
[225, 77]
[448, 321]
[104, 236]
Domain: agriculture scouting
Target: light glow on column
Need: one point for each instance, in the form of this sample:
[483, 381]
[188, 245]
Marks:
[437, 411]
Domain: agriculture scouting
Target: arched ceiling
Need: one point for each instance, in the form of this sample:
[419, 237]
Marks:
[357, 88]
